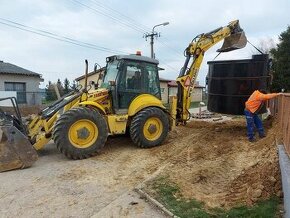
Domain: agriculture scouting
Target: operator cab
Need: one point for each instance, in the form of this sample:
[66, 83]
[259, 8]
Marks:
[128, 76]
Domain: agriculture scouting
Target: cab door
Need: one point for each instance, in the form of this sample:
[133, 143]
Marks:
[136, 78]
[130, 83]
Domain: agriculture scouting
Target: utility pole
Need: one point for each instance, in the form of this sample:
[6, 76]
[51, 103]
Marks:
[151, 35]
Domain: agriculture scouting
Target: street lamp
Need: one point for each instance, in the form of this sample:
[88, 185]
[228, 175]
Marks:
[152, 34]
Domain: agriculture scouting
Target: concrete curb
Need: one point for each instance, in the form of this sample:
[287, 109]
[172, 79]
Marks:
[155, 202]
[152, 200]
[284, 162]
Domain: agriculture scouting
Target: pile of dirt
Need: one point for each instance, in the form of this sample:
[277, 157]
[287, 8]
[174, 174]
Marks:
[219, 167]
[25, 110]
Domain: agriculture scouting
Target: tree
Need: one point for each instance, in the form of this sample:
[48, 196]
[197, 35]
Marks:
[67, 88]
[281, 63]
[74, 85]
[50, 92]
[265, 45]
[60, 87]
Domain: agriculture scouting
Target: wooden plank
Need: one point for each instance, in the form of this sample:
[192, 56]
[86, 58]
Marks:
[286, 125]
[280, 108]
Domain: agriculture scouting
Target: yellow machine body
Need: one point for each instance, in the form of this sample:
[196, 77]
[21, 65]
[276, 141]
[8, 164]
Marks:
[128, 100]
[42, 129]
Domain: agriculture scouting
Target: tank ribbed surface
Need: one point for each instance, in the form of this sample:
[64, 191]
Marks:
[230, 83]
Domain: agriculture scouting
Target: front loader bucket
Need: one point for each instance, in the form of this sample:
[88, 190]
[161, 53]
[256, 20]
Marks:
[16, 151]
[233, 42]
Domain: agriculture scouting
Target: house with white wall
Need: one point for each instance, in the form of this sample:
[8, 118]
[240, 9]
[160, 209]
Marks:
[23, 83]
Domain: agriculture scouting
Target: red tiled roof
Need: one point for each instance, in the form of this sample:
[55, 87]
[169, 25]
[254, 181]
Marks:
[164, 80]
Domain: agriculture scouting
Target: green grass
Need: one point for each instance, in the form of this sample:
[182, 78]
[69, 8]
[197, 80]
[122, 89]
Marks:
[169, 194]
[45, 102]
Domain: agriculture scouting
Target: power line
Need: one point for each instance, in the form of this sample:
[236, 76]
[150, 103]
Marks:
[145, 28]
[169, 66]
[56, 36]
[71, 40]
[118, 20]
[110, 16]
[129, 20]
[54, 72]
[65, 39]
[171, 48]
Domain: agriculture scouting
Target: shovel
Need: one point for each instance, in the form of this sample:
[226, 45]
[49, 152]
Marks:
[234, 41]
[16, 151]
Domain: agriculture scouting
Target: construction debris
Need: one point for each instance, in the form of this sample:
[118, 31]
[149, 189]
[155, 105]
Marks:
[203, 114]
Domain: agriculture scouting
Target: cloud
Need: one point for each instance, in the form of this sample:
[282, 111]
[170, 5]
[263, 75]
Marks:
[260, 20]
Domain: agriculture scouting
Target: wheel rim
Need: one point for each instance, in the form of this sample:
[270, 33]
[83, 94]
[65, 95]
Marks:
[153, 128]
[83, 133]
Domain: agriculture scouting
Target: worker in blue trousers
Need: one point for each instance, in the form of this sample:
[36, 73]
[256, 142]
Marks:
[252, 107]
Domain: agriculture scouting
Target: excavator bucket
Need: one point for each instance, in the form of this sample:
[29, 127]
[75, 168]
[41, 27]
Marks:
[233, 42]
[16, 151]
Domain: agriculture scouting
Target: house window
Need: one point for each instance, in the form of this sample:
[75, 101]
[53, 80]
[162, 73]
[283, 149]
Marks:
[20, 88]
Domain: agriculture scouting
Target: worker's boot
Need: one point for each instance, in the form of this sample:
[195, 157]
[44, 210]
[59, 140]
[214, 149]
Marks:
[261, 131]
[252, 140]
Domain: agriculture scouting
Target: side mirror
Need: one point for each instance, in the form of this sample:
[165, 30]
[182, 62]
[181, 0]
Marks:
[99, 78]
[120, 65]
[97, 67]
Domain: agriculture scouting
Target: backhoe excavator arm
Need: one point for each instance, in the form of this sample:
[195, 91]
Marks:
[194, 53]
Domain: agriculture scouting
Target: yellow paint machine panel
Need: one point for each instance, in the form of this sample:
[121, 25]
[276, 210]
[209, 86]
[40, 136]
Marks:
[117, 124]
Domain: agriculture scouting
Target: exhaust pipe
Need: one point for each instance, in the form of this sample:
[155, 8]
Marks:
[86, 76]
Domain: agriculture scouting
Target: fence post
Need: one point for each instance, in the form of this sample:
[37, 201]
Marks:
[281, 111]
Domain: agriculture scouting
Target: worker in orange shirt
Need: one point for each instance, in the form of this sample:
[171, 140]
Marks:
[252, 107]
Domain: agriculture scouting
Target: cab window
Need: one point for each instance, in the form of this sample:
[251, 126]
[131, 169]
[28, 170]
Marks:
[151, 79]
[110, 74]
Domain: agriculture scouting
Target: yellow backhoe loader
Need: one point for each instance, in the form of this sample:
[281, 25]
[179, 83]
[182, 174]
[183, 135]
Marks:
[128, 100]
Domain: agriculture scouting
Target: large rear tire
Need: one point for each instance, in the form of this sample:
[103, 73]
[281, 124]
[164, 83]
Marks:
[149, 127]
[80, 133]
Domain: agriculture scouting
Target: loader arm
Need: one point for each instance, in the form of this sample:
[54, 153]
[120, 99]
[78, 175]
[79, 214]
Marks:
[234, 39]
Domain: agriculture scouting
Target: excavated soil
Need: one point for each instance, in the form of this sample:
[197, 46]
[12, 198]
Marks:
[219, 167]
[211, 162]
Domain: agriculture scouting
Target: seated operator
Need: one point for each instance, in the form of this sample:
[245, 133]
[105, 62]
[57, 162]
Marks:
[136, 79]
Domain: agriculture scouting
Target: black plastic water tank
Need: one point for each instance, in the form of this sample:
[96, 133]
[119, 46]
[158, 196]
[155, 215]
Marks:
[230, 83]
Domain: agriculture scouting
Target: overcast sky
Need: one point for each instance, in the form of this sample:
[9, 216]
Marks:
[119, 26]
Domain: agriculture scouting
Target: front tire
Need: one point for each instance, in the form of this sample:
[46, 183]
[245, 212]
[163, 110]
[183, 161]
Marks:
[80, 133]
[149, 127]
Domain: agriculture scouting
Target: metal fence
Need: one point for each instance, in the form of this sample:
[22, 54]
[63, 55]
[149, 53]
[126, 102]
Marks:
[280, 107]
[30, 98]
